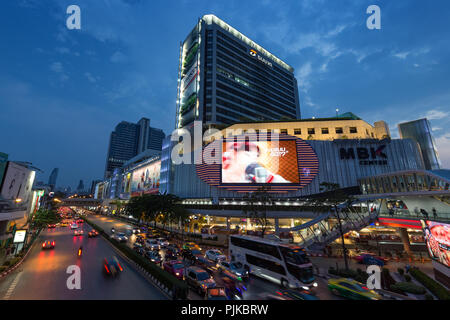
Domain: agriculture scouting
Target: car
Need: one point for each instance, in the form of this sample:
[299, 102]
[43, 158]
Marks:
[121, 237]
[78, 233]
[136, 230]
[370, 259]
[236, 268]
[199, 280]
[63, 224]
[73, 226]
[215, 255]
[351, 289]
[80, 221]
[298, 294]
[50, 226]
[163, 242]
[93, 233]
[191, 246]
[175, 267]
[153, 256]
[233, 287]
[48, 244]
[112, 266]
[217, 293]
[191, 255]
[152, 244]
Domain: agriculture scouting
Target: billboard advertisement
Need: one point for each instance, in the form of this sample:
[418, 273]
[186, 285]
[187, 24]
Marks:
[246, 163]
[17, 182]
[19, 236]
[260, 162]
[437, 237]
[146, 178]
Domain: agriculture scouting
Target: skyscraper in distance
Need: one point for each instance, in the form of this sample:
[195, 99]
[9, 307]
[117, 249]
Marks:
[224, 77]
[128, 140]
[52, 178]
[420, 131]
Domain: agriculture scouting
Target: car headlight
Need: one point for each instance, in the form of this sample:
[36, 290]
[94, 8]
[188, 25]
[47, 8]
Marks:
[315, 284]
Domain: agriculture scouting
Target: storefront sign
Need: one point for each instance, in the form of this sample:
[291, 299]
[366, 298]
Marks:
[367, 156]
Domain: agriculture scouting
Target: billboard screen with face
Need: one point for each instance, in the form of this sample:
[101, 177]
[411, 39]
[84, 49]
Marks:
[146, 178]
[437, 237]
[260, 162]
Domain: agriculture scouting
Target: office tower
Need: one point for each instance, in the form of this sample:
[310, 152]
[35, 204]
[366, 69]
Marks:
[130, 139]
[420, 131]
[224, 78]
[80, 187]
[52, 178]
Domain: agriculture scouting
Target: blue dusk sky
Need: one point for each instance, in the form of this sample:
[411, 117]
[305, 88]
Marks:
[63, 91]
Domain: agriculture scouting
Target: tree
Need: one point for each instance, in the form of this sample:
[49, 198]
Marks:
[44, 217]
[257, 205]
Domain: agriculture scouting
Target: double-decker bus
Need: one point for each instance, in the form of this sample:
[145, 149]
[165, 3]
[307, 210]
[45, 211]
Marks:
[282, 263]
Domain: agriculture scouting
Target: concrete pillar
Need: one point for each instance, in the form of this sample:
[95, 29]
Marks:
[277, 226]
[405, 239]
[228, 223]
[248, 223]
[292, 223]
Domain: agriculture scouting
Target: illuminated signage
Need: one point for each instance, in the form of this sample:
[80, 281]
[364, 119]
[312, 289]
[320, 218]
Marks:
[366, 156]
[19, 236]
[255, 54]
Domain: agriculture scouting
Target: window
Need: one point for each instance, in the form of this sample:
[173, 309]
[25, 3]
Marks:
[311, 131]
[325, 131]
[353, 130]
[265, 264]
[339, 130]
[298, 131]
[256, 246]
[283, 131]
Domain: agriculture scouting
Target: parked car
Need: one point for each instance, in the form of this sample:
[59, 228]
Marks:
[199, 280]
[175, 268]
[352, 289]
[215, 255]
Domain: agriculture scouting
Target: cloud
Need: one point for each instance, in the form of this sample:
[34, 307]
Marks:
[56, 67]
[402, 55]
[437, 115]
[443, 145]
[118, 57]
[302, 75]
[90, 77]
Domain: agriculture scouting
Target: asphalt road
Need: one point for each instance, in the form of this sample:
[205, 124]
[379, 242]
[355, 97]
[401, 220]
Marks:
[256, 287]
[43, 274]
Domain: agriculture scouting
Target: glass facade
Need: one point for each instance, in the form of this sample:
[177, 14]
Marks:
[420, 132]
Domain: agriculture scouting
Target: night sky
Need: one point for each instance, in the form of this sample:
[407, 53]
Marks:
[63, 91]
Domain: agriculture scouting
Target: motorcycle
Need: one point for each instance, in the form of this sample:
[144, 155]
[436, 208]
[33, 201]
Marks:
[80, 251]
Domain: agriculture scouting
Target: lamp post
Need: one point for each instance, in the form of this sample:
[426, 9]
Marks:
[337, 112]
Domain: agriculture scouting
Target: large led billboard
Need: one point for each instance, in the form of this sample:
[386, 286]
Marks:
[246, 163]
[437, 237]
[260, 162]
[146, 178]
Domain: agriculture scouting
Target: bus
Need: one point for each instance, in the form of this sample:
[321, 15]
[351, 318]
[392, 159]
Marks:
[282, 263]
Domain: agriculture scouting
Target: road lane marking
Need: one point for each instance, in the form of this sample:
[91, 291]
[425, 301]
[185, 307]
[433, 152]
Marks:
[12, 287]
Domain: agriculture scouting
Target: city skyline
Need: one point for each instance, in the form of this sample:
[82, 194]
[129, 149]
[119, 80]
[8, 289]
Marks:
[81, 83]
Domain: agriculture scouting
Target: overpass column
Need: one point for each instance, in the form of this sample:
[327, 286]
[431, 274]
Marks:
[405, 239]
[277, 226]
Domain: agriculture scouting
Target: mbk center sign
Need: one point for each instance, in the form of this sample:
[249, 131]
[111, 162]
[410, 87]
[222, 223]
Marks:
[366, 156]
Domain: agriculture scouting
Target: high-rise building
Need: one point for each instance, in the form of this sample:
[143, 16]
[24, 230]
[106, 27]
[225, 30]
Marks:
[130, 139]
[52, 178]
[420, 131]
[224, 78]
[80, 187]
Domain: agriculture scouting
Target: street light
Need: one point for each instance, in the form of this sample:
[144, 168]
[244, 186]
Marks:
[337, 112]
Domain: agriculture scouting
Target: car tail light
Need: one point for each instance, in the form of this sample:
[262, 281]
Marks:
[107, 270]
[53, 243]
[43, 245]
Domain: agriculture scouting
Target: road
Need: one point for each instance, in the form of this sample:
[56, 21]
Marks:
[255, 287]
[43, 274]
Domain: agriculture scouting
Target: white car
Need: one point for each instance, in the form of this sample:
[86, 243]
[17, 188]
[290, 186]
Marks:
[215, 255]
[163, 242]
[152, 244]
[73, 226]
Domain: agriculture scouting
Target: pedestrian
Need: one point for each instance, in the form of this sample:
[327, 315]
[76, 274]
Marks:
[434, 213]
[407, 267]
[391, 212]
